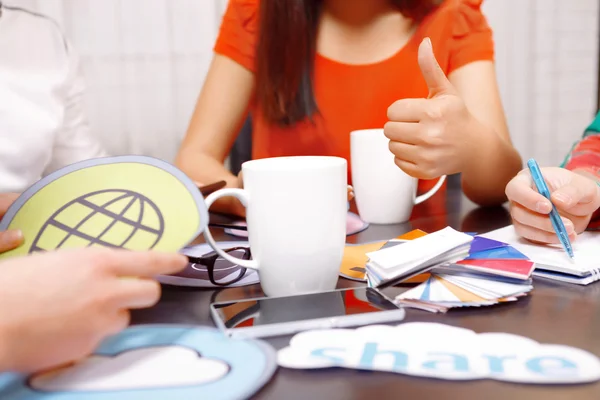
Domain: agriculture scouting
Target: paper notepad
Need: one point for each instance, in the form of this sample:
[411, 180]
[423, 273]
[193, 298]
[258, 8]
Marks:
[583, 269]
[392, 265]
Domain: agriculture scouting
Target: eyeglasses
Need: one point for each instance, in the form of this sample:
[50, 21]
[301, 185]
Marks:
[220, 271]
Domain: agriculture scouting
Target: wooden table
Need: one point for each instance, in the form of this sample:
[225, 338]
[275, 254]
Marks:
[554, 313]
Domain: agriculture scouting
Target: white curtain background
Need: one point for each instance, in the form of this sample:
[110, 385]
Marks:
[547, 64]
[145, 61]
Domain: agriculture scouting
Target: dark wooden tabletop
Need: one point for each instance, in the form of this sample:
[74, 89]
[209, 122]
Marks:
[553, 313]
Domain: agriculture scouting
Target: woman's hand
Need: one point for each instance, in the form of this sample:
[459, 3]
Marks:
[57, 306]
[9, 239]
[575, 196]
[427, 136]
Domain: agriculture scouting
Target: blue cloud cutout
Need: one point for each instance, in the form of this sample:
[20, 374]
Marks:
[251, 364]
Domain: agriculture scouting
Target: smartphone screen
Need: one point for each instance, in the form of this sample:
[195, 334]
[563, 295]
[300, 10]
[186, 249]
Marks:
[268, 311]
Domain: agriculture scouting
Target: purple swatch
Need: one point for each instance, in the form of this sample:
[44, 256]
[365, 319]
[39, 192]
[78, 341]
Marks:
[505, 253]
[481, 244]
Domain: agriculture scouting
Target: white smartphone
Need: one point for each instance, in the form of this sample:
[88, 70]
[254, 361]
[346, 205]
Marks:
[278, 316]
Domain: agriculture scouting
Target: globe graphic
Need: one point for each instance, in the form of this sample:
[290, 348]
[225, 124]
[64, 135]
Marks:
[108, 218]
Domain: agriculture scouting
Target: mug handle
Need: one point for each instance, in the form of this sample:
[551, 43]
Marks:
[433, 191]
[242, 196]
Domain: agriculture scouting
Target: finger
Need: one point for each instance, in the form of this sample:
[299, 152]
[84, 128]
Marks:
[404, 152]
[436, 80]
[414, 170]
[10, 240]
[407, 110]
[579, 198]
[143, 264]
[538, 221]
[132, 293]
[405, 132]
[519, 190]
[538, 235]
[350, 193]
[119, 322]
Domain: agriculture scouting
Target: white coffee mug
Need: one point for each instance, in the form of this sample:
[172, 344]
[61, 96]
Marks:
[384, 193]
[296, 216]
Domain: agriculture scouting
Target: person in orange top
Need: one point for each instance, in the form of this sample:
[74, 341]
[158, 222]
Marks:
[311, 71]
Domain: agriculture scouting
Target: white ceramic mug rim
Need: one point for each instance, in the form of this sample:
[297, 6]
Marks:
[364, 132]
[294, 163]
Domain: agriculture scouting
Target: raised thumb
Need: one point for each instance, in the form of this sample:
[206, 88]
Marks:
[432, 72]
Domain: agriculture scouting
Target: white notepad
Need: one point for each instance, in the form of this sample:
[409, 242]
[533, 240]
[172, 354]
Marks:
[553, 257]
[415, 256]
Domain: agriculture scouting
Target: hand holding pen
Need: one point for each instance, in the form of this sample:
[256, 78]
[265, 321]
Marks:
[575, 196]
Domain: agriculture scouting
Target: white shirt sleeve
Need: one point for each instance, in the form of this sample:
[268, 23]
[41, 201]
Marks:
[74, 140]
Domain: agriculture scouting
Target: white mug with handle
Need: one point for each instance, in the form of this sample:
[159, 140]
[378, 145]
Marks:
[296, 217]
[384, 193]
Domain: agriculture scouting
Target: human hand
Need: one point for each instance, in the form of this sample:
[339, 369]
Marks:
[428, 136]
[57, 307]
[575, 196]
[9, 239]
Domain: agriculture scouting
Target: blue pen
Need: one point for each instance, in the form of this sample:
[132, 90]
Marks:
[555, 218]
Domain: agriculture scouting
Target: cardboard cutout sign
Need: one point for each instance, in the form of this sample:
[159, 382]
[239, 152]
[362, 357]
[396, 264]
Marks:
[155, 362]
[130, 202]
[440, 351]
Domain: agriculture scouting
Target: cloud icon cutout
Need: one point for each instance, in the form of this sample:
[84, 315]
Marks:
[155, 362]
[440, 351]
[145, 368]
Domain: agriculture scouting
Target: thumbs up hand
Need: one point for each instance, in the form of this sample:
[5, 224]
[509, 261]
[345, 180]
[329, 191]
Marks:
[430, 137]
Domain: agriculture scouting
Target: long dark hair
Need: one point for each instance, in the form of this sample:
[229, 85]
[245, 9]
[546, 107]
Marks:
[286, 50]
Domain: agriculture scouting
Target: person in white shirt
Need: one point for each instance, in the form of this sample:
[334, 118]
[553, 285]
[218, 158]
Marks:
[43, 125]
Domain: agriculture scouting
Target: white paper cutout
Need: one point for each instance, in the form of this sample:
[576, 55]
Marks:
[131, 369]
[440, 351]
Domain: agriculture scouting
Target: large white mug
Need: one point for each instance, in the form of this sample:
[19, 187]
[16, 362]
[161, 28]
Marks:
[384, 193]
[296, 219]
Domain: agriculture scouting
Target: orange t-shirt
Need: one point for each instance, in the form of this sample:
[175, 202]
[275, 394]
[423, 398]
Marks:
[351, 97]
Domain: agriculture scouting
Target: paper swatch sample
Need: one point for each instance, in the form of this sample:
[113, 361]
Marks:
[155, 362]
[416, 349]
[493, 259]
[355, 255]
[551, 261]
[486, 277]
[129, 202]
[442, 292]
[397, 263]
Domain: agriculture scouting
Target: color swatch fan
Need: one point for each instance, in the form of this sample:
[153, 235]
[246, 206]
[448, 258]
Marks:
[393, 265]
[355, 259]
[493, 259]
[493, 273]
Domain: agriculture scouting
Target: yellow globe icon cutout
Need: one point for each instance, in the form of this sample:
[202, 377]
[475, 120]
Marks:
[133, 203]
[107, 218]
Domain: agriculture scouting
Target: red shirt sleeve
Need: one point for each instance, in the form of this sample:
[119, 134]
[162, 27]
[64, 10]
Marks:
[472, 38]
[238, 33]
[585, 155]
